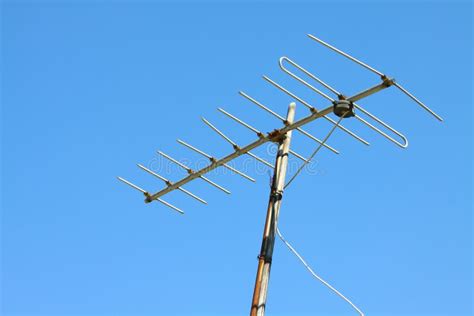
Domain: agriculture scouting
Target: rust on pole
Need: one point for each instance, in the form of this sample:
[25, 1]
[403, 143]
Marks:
[266, 252]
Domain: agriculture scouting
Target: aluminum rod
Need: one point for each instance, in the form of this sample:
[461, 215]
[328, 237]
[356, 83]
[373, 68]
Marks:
[192, 195]
[234, 144]
[403, 144]
[294, 96]
[190, 171]
[170, 206]
[215, 129]
[259, 159]
[258, 132]
[153, 173]
[194, 149]
[213, 160]
[253, 129]
[298, 156]
[243, 94]
[215, 184]
[136, 187]
[346, 55]
[439, 118]
[314, 109]
[260, 105]
[309, 74]
[168, 182]
[324, 95]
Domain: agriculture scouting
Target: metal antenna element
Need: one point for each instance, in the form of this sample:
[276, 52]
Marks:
[345, 55]
[343, 107]
[382, 76]
[402, 144]
[136, 187]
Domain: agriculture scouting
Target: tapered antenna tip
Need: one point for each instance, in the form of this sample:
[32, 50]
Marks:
[293, 105]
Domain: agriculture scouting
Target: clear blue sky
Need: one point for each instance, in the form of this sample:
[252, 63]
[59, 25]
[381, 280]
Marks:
[91, 88]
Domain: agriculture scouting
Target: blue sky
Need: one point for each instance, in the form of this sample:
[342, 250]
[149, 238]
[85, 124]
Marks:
[89, 89]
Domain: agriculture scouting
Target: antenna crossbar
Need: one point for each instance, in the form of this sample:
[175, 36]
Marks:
[273, 136]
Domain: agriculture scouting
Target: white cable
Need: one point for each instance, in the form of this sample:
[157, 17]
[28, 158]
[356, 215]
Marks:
[315, 275]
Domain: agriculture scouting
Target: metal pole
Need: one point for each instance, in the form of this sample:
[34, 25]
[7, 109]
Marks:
[268, 241]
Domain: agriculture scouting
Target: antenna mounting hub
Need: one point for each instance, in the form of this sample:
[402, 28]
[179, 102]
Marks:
[343, 108]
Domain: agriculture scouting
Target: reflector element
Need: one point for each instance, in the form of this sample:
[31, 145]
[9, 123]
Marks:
[382, 76]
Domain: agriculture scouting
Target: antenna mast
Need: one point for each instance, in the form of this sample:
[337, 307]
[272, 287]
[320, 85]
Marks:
[276, 194]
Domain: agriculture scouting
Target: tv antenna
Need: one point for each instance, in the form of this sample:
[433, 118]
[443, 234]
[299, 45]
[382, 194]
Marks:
[342, 106]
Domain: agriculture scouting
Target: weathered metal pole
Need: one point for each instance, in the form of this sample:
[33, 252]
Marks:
[268, 241]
